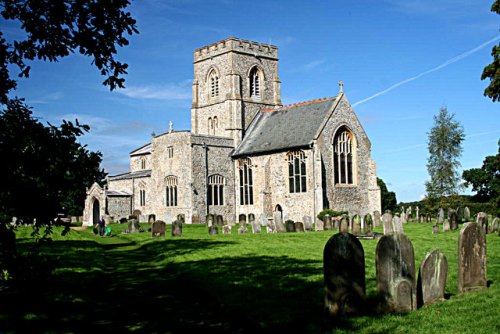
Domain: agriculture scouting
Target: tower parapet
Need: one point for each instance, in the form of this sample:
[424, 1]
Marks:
[233, 44]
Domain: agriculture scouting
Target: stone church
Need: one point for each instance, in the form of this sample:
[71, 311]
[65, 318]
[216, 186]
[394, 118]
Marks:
[246, 153]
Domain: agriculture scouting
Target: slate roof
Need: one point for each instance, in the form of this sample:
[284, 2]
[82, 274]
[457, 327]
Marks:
[133, 175]
[116, 193]
[146, 149]
[285, 128]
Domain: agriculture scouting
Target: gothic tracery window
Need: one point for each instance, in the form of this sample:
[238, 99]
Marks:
[246, 181]
[171, 190]
[343, 157]
[216, 189]
[297, 178]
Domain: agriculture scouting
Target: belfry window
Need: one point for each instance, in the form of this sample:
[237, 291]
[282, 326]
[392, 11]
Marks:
[216, 190]
[254, 82]
[343, 157]
[171, 191]
[214, 84]
[297, 179]
[246, 181]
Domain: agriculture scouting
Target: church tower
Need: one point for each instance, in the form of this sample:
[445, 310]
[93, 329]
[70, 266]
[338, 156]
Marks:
[233, 80]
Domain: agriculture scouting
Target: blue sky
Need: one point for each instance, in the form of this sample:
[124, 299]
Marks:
[400, 61]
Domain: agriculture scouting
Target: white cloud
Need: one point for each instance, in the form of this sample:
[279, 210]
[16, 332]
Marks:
[180, 91]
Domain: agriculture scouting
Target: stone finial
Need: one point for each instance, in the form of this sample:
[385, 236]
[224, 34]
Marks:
[170, 127]
[341, 86]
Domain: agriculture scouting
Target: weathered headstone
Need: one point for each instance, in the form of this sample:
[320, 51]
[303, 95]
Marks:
[226, 229]
[408, 214]
[242, 219]
[219, 220]
[307, 223]
[256, 227]
[290, 226]
[327, 223]
[344, 275]
[151, 219]
[195, 219]
[210, 220]
[356, 225]
[213, 230]
[158, 229]
[435, 229]
[319, 225]
[181, 217]
[395, 266]
[446, 225]
[251, 219]
[242, 230]
[376, 218]
[368, 224]
[466, 214]
[397, 226]
[263, 219]
[278, 222]
[431, 280]
[440, 216]
[133, 226]
[417, 213]
[453, 219]
[482, 220]
[176, 228]
[387, 221]
[270, 227]
[494, 225]
[471, 258]
[403, 218]
[299, 227]
[344, 224]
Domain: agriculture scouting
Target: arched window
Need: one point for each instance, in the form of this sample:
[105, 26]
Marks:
[143, 163]
[213, 80]
[255, 82]
[297, 179]
[343, 157]
[216, 124]
[142, 197]
[171, 190]
[246, 181]
[216, 189]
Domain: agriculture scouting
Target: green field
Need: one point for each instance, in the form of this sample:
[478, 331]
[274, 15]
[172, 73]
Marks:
[225, 283]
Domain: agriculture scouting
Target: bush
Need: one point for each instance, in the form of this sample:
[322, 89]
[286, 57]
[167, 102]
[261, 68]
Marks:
[331, 213]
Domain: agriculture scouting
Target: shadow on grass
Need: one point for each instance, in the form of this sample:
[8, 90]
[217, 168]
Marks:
[112, 289]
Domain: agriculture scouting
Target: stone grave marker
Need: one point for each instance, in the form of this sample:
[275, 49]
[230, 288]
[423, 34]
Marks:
[307, 223]
[181, 217]
[151, 219]
[242, 219]
[219, 220]
[387, 221]
[263, 219]
[210, 220]
[256, 227]
[440, 216]
[356, 225]
[417, 213]
[344, 275]
[431, 280]
[195, 219]
[327, 223]
[278, 222]
[494, 225]
[460, 214]
[482, 220]
[466, 214]
[213, 230]
[319, 225]
[446, 225]
[242, 230]
[397, 225]
[251, 219]
[299, 227]
[290, 226]
[176, 228]
[270, 227]
[344, 224]
[226, 229]
[133, 226]
[435, 229]
[453, 219]
[403, 218]
[158, 229]
[368, 226]
[376, 218]
[395, 267]
[471, 258]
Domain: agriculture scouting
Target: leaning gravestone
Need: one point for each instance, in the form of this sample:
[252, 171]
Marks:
[395, 265]
[368, 227]
[290, 226]
[212, 230]
[226, 229]
[356, 225]
[176, 228]
[210, 220]
[397, 225]
[307, 223]
[466, 214]
[344, 224]
[431, 280]
[387, 221]
[482, 220]
[327, 222]
[471, 258]
[344, 275]
[319, 225]
[219, 221]
[453, 219]
[376, 218]
[299, 227]
[158, 229]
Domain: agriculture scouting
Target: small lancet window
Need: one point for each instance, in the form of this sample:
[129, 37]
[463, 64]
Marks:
[254, 82]
[214, 84]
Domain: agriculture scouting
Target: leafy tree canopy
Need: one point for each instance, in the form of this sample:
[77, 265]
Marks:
[388, 198]
[492, 71]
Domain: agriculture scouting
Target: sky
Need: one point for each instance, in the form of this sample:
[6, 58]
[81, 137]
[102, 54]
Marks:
[400, 61]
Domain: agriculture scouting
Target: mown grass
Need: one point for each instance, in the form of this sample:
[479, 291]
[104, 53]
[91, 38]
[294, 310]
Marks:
[225, 283]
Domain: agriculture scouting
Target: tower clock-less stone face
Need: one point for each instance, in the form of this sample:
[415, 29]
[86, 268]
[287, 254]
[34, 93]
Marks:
[233, 80]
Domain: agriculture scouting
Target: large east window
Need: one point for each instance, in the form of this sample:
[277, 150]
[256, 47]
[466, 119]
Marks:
[297, 179]
[171, 191]
[343, 157]
[216, 189]
[246, 181]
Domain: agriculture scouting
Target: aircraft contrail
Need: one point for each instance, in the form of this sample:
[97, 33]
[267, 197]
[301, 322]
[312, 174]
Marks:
[446, 63]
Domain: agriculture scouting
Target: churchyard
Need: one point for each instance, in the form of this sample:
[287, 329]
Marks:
[235, 283]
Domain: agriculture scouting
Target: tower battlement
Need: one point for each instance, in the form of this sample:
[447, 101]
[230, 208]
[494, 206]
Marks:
[233, 44]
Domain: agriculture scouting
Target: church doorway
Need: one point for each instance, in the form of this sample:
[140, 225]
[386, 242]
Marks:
[95, 211]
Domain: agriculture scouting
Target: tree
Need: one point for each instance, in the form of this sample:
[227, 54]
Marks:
[492, 71]
[485, 181]
[388, 198]
[445, 148]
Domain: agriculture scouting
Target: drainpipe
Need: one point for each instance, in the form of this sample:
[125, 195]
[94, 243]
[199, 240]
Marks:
[314, 183]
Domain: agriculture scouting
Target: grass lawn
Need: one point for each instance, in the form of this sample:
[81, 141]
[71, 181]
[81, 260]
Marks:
[225, 283]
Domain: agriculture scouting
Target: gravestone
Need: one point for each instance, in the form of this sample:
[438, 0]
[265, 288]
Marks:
[151, 219]
[299, 227]
[460, 214]
[307, 223]
[290, 226]
[242, 219]
[278, 222]
[133, 226]
[408, 214]
[219, 220]
[482, 220]
[471, 258]
[319, 225]
[344, 224]
[466, 214]
[446, 225]
[270, 227]
[181, 218]
[213, 230]
[494, 225]
[403, 218]
[356, 225]
[263, 219]
[327, 223]
[431, 280]
[251, 219]
[176, 228]
[397, 226]
[368, 226]
[440, 216]
[242, 230]
[158, 229]
[376, 218]
[256, 228]
[417, 212]
[453, 219]
[210, 220]
[195, 219]
[435, 229]
[395, 267]
[344, 275]
[226, 229]
[387, 223]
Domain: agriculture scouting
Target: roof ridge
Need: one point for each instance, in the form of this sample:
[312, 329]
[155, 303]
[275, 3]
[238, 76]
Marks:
[298, 104]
